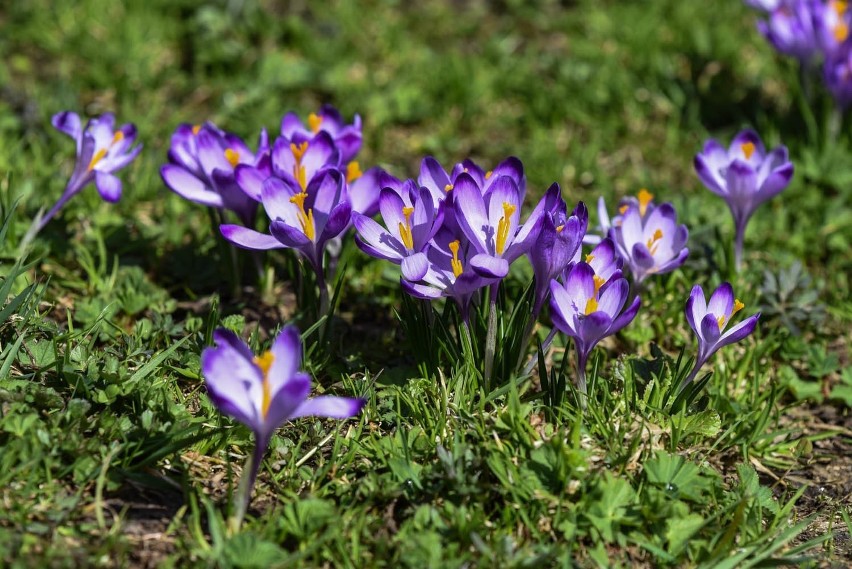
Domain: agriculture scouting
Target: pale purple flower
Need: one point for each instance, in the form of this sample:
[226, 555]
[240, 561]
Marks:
[412, 221]
[765, 5]
[838, 76]
[346, 137]
[588, 309]
[264, 391]
[709, 321]
[649, 239]
[744, 175]
[792, 28]
[833, 19]
[101, 150]
[202, 164]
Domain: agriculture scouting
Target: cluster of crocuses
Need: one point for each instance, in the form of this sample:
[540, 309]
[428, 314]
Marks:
[815, 32]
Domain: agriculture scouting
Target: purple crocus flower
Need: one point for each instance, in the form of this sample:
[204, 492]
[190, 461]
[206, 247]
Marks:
[709, 320]
[264, 391]
[765, 5]
[304, 220]
[833, 19]
[603, 259]
[346, 137]
[588, 309]
[559, 240]
[101, 150]
[449, 273]
[838, 76]
[411, 225]
[492, 223]
[792, 29]
[202, 163]
[649, 239]
[744, 175]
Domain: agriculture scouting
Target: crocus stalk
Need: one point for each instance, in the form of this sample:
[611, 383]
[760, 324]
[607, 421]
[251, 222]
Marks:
[412, 221]
[649, 239]
[101, 150]
[709, 320]
[745, 176]
[203, 161]
[588, 310]
[263, 392]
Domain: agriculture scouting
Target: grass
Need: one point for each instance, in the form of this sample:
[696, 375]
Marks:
[111, 453]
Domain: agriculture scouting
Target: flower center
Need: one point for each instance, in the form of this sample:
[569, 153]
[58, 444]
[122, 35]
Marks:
[841, 32]
[737, 307]
[405, 229]
[299, 172]
[195, 129]
[99, 155]
[264, 362]
[654, 241]
[448, 188]
[456, 263]
[503, 227]
[645, 198]
[314, 122]
[748, 149]
[599, 282]
[559, 228]
[353, 172]
[233, 157]
[840, 7]
[306, 218]
[488, 174]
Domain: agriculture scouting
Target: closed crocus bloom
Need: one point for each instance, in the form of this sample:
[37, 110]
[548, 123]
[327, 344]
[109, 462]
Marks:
[745, 175]
[411, 225]
[101, 150]
[709, 321]
[649, 239]
[588, 309]
[264, 391]
[202, 164]
[559, 240]
[792, 28]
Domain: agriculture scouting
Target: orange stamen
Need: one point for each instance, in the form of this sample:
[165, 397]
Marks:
[298, 151]
[645, 198]
[405, 229]
[314, 122]
[233, 157]
[456, 262]
[306, 218]
[748, 149]
[448, 188]
[195, 129]
[503, 227]
[653, 242]
[353, 172]
[264, 362]
[591, 306]
[96, 158]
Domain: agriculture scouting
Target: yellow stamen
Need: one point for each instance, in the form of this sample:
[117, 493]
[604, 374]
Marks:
[737, 306]
[405, 228]
[298, 151]
[589, 258]
[448, 188]
[264, 362]
[314, 122]
[117, 137]
[560, 228]
[591, 306]
[306, 218]
[233, 157]
[622, 209]
[456, 263]
[353, 172]
[503, 227]
[301, 176]
[840, 7]
[96, 158]
[748, 149]
[599, 282]
[488, 174]
[841, 32]
[721, 322]
[653, 242]
[645, 198]
[195, 129]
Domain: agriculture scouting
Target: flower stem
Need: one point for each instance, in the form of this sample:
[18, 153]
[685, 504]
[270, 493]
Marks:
[581, 378]
[243, 496]
[491, 338]
[544, 347]
[738, 248]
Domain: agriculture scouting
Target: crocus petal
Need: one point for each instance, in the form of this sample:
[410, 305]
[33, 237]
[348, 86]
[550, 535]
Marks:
[613, 296]
[471, 215]
[378, 238]
[331, 407]
[286, 353]
[337, 221]
[710, 329]
[288, 235]
[250, 180]
[108, 186]
[414, 267]
[69, 123]
[708, 176]
[593, 328]
[740, 331]
[285, 402]
[642, 256]
[722, 301]
[696, 308]
[275, 195]
[775, 183]
[627, 316]
[249, 238]
[489, 266]
[422, 291]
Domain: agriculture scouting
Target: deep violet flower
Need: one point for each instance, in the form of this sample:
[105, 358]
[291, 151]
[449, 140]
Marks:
[709, 320]
[264, 391]
[588, 309]
[412, 221]
[649, 239]
[202, 163]
[101, 150]
[744, 175]
[559, 240]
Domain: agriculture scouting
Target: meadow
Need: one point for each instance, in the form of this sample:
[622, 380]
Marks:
[111, 451]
